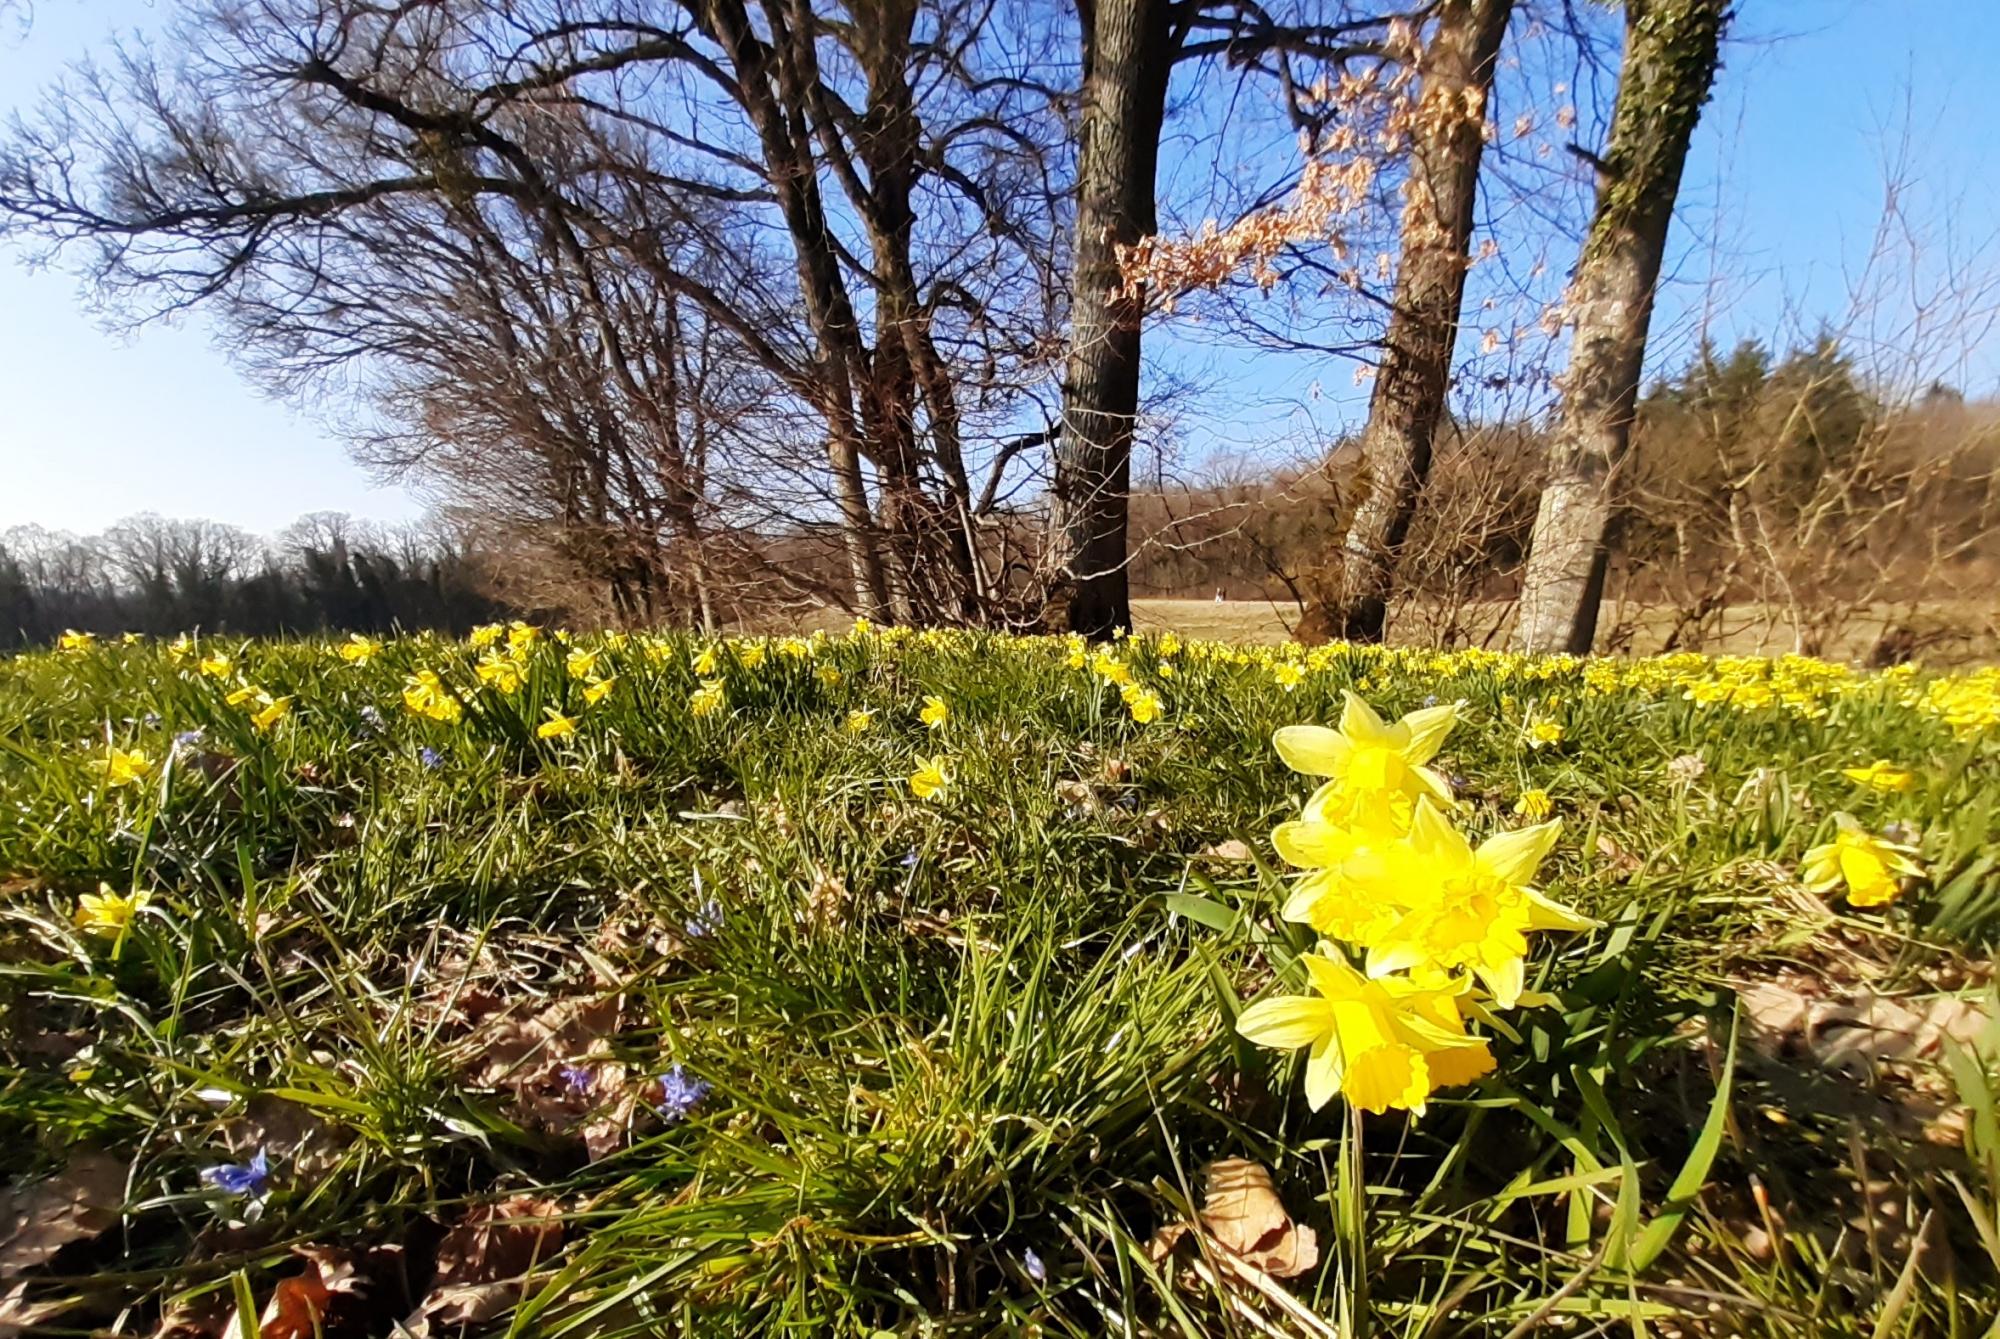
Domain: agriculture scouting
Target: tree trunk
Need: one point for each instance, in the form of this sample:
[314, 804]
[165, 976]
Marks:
[1128, 54]
[1349, 598]
[1670, 60]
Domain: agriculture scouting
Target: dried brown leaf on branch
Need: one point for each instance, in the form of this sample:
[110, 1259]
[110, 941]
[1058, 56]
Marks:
[77, 1203]
[1242, 1215]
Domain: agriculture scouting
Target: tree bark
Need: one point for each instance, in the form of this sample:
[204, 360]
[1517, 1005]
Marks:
[1671, 49]
[1349, 597]
[1128, 55]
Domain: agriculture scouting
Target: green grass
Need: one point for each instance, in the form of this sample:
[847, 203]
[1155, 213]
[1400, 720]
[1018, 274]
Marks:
[968, 1055]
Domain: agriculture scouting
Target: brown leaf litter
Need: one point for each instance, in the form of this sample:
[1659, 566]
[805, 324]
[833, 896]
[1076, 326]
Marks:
[484, 1261]
[41, 1217]
[1242, 1217]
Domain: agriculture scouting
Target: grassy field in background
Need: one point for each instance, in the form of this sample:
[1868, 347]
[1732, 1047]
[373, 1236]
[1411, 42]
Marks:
[889, 984]
[1971, 629]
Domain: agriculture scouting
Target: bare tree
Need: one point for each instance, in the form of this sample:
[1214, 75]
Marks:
[1350, 595]
[1671, 52]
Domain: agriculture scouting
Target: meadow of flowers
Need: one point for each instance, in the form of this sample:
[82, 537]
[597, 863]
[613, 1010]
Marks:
[904, 983]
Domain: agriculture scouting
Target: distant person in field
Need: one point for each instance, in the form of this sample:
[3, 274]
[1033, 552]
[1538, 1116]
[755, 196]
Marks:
[1218, 597]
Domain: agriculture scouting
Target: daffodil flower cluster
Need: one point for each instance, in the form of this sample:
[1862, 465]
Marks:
[1441, 927]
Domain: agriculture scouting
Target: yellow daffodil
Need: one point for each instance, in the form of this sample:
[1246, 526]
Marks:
[1534, 805]
[1466, 909]
[859, 720]
[1339, 896]
[935, 713]
[829, 676]
[1368, 1041]
[215, 666]
[750, 654]
[581, 664]
[424, 694]
[1143, 703]
[107, 913]
[122, 767]
[273, 710]
[486, 635]
[501, 672]
[359, 650]
[597, 690]
[1543, 734]
[1882, 775]
[180, 648]
[557, 726]
[707, 699]
[1288, 676]
[1869, 868]
[1376, 771]
[931, 777]
[521, 637]
[74, 641]
[706, 663]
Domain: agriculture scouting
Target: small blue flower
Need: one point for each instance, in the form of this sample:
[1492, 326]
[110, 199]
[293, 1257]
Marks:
[909, 859]
[680, 1093]
[704, 922]
[430, 757]
[239, 1179]
[1430, 699]
[188, 739]
[1032, 1262]
[577, 1078]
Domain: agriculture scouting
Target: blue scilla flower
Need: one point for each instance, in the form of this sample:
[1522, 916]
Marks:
[705, 921]
[188, 739]
[577, 1078]
[239, 1178]
[680, 1093]
[430, 757]
[1032, 1262]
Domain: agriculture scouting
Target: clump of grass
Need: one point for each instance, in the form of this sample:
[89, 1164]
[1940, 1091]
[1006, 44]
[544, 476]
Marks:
[855, 1062]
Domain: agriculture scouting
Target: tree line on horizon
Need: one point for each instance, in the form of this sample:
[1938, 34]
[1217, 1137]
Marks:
[700, 309]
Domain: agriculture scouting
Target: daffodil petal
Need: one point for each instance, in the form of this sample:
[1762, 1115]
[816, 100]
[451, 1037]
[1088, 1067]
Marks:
[1309, 845]
[1513, 857]
[1324, 1072]
[1545, 913]
[1286, 1023]
[1361, 725]
[1312, 749]
[1505, 982]
[1428, 726]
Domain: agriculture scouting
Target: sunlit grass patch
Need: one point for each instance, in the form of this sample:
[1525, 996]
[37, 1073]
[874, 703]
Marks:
[862, 983]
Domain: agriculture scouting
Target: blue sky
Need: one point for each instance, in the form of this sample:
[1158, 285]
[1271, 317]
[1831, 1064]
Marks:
[1783, 192]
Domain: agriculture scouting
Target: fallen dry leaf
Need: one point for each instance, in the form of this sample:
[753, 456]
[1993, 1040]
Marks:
[295, 1140]
[1229, 850]
[1622, 862]
[19, 1316]
[1242, 1214]
[1079, 797]
[826, 900]
[1860, 1032]
[482, 1263]
[317, 1301]
[557, 1065]
[42, 1217]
